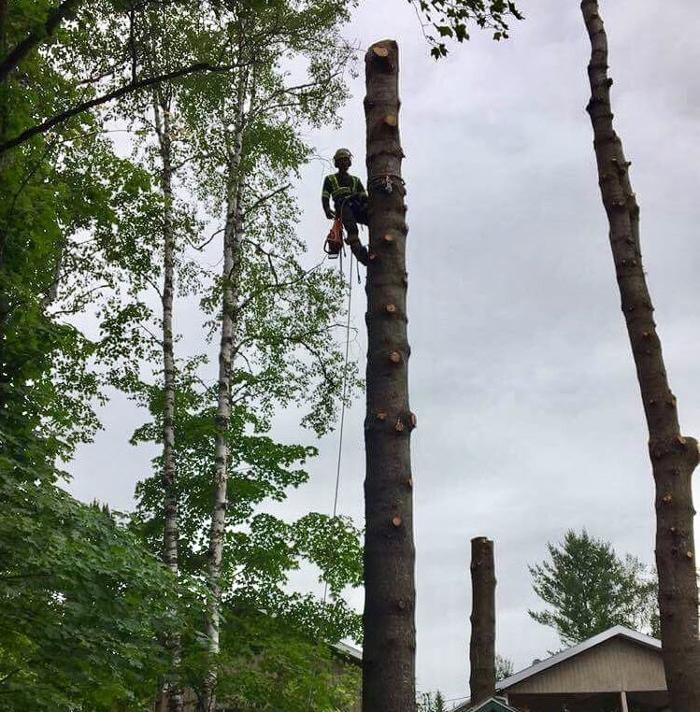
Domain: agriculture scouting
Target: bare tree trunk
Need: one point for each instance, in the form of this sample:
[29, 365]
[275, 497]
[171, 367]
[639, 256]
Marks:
[233, 233]
[388, 670]
[482, 646]
[673, 457]
[161, 114]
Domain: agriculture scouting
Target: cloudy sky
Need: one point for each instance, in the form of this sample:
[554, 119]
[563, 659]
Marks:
[529, 420]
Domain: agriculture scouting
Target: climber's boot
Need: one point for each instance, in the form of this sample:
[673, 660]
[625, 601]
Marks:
[358, 249]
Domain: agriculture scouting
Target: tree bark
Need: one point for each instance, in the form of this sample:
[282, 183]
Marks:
[388, 670]
[233, 233]
[161, 113]
[673, 457]
[482, 646]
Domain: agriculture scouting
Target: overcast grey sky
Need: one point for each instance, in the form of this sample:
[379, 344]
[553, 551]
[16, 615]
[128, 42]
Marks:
[529, 420]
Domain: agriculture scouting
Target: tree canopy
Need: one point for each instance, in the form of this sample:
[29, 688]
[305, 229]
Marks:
[88, 230]
[590, 588]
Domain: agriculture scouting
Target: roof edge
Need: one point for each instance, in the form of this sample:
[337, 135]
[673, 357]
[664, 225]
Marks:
[347, 651]
[614, 632]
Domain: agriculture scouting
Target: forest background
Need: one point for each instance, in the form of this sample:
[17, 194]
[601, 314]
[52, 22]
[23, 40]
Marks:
[529, 421]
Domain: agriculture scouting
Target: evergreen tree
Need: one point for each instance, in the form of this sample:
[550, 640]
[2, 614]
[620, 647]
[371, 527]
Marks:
[504, 667]
[429, 702]
[589, 589]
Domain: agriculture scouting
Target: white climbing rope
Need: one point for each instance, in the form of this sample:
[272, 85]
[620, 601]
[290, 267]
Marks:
[342, 407]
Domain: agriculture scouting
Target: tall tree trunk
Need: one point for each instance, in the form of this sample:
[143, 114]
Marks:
[482, 646]
[388, 670]
[673, 457]
[233, 233]
[161, 114]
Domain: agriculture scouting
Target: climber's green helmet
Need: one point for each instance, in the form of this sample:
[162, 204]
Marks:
[342, 153]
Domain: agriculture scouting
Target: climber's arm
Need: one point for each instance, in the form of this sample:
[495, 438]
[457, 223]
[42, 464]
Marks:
[326, 199]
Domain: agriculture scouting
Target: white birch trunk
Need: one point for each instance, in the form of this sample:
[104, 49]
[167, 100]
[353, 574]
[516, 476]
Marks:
[231, 263]
[170, 535]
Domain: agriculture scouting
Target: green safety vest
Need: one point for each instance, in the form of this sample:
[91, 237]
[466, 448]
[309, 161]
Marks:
[339, 192]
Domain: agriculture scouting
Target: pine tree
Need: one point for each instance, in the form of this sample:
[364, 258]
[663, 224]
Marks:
[589, 589]
[674, 457]
[388, 681]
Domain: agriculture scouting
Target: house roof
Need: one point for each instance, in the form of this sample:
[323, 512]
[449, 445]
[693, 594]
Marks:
[493, 704]
[348, 651]
[617, 631]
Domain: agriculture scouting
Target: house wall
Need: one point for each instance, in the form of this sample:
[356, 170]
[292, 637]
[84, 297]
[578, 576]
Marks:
[614, 665]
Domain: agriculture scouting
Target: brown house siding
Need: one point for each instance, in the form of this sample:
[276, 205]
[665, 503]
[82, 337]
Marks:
[614, 665]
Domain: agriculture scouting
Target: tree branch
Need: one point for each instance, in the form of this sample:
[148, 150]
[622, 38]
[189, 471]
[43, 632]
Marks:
[265, 198]
[132, 86]
[36, 36]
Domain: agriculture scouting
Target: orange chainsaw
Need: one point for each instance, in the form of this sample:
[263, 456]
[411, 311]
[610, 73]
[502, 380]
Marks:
[333, 245]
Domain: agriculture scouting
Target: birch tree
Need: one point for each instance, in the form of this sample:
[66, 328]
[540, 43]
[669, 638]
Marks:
[250, 139]
[168, 38]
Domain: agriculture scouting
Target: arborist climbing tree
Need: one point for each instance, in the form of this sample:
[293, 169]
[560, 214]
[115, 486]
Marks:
[350, 201]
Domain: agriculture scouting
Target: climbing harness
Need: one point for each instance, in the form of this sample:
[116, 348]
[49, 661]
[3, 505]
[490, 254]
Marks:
[386, 182]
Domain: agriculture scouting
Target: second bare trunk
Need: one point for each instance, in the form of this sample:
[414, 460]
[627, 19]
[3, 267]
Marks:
[673, 457]
[482, 645]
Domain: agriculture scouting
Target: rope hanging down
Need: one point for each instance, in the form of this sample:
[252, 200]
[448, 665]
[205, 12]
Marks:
[345, 390]
[342, 407]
